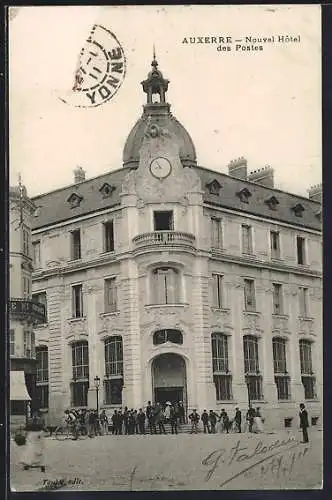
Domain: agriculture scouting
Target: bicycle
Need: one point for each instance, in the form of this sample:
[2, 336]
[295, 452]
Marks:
[66, 431]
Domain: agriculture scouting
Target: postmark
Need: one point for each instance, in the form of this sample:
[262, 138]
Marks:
[100, 72]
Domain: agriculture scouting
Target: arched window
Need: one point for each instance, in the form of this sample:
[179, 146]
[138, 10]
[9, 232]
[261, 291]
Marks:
[165, 286]
[80, 367]
[280, 367]
[113, 370]
[162, 336]
[42, 376]
[307, 374]
[251, 367]
[221, 376]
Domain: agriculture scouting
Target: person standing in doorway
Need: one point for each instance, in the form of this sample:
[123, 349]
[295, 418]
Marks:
[304, 423]
[237, 419]
[141, 421]
[194, 418]
[205, 420]
[173, 418]
[213, 421]
[182, 413]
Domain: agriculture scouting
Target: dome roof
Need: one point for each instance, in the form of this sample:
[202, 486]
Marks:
[168, 121]
[158, 113]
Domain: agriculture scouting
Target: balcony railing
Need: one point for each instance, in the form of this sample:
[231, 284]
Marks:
[164, 238]
[28, 309]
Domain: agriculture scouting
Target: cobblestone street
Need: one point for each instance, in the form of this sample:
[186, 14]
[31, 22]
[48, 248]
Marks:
[170, 462]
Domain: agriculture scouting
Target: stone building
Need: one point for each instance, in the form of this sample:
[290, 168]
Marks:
[23, 313]
[170, 281]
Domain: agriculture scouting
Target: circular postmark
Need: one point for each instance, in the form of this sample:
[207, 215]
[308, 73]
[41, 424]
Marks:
[100, 71]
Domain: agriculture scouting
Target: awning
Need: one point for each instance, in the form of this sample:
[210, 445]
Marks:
[18, 389]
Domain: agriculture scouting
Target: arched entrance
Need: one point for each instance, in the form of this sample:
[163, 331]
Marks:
[169, 378]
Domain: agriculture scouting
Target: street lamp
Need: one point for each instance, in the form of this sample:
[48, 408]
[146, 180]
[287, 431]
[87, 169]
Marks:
[97, 384]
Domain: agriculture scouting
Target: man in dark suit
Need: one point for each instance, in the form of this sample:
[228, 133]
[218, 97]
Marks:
[237, 419]
[304, 423]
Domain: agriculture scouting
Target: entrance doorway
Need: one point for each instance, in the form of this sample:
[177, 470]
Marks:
[171, 394]
[169, 379]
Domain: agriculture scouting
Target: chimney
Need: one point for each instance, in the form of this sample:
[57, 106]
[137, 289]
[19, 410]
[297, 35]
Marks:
[316, 193]
[79, 175]
[263, 176]
[238, 168]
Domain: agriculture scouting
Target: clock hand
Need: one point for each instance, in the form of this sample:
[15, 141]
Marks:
[157, 163]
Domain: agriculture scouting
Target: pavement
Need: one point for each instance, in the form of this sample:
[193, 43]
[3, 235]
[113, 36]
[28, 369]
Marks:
[176, 462]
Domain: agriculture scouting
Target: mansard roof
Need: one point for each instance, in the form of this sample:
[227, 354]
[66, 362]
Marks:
[256, 203]
[53, 207]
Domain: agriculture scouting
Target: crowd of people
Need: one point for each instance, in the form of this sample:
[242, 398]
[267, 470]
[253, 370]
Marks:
[155, 419]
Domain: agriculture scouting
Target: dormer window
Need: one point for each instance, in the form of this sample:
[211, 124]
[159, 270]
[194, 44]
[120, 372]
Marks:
[74, 200]
[214, 187]
[36, 212]
[106, 190]
[244, 195]
[272, 203]
[298, 210]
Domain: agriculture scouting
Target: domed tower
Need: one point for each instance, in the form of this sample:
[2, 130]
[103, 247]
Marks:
[157, 111]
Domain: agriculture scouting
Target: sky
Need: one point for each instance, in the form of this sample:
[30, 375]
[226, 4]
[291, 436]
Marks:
[263, 105]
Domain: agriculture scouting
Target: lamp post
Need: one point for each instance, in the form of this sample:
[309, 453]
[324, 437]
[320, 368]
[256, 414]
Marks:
[97, 384]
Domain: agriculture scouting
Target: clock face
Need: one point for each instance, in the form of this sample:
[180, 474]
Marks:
[160, 167]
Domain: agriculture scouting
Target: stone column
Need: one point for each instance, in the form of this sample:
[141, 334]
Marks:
[235, 290]
[265, 304]
[132, 391]
[297, 390]
[95, 368]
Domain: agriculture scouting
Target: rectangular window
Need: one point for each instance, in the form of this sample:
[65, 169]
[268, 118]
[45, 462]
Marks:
[77, 301]
[42, 364]
[12, 342]
[301, 257]
[41, 298]
[27, 343]
[25, 241]
[80, 361]
[109, 236]
[113, 391]
[308, 376]
[163, 220]
[216, 233]
[42, 376]
[79, 393]
[42, 395]
[110, 295]
[223, 384]
[165, 286]
[113, 357]
[217, 295]
[75, 244]
[308, 383]
[282, 383]
[303, 298]
[249, 295]
[275, 244]
[246, 239]
[36, 254]
[250, 351]
[254, 386]
[277, 298]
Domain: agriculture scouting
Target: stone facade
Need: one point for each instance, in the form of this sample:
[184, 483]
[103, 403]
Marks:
[184, 247]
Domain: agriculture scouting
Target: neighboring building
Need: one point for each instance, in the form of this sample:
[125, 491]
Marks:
[23, 312]
[171, 281]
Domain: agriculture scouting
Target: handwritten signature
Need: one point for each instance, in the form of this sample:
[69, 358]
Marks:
[54, 484]
[266, 456]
